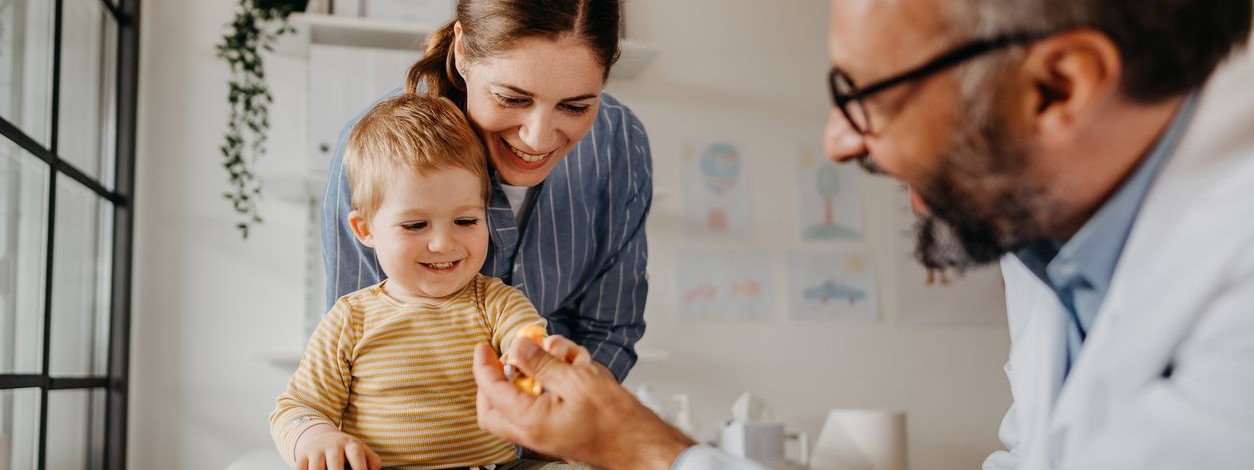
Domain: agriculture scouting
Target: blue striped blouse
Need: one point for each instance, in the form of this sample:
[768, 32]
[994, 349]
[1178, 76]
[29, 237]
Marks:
[580, 258]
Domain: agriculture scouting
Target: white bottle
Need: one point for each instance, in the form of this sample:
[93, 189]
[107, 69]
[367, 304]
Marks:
[683, 415]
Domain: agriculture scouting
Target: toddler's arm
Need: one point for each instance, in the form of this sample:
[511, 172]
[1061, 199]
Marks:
[317, 393]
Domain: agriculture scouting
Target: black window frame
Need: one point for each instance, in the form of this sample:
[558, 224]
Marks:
[116, 382]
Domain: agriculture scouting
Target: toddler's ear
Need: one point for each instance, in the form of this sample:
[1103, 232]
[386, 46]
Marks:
[361, 228]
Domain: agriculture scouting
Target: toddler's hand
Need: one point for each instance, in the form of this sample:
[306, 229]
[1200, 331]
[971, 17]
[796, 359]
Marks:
[324, 447]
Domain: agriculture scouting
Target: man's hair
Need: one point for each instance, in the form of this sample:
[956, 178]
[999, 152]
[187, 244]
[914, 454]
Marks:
[1168, 47]
[408, 133]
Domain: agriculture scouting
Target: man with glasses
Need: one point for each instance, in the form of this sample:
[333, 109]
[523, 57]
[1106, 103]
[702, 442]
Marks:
[1100, 151]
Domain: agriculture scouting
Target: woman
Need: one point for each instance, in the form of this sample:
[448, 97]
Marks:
[570, 167]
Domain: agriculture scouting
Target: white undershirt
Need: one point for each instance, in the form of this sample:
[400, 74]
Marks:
[517, 196]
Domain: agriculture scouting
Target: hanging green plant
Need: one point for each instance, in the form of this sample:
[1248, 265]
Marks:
[255, 28]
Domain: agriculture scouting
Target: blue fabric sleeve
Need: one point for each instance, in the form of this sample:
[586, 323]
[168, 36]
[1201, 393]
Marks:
[347, 264]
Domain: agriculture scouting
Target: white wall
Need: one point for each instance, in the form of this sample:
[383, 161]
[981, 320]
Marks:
[206, 302]
[754, 72]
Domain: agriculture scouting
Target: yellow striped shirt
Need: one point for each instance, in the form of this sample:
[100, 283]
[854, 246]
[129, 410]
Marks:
[398, 376]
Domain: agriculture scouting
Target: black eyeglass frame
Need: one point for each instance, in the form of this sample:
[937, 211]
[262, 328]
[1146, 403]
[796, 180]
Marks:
[953, 57]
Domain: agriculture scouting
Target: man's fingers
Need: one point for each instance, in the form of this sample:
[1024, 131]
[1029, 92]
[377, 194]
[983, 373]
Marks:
[486, 366]
[566, 349]
[492, 419]
[535, 362]
[373, 460]
[496, 393]
[493, 387]
[494, 390]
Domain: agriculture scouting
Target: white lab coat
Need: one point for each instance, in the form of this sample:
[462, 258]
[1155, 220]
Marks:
[1182, 297]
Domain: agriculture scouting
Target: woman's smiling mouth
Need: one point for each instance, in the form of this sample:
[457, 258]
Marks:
[527, 157]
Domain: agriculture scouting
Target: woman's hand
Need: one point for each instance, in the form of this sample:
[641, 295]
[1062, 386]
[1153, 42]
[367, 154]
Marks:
[323, 447]
[584, 414]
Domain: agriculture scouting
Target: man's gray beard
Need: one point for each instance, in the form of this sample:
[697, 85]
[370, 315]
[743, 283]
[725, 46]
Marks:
[980, 207]
[937, 245]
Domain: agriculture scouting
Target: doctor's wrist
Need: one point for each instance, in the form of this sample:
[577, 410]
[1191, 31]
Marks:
[656, 446]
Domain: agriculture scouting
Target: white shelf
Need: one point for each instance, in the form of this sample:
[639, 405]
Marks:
[351, 31]
[294, 187]
[636, 57]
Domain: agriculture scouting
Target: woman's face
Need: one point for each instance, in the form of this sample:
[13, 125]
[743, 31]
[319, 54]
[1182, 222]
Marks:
[531, 104]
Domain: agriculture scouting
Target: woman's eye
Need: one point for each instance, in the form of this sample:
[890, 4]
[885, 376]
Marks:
[511, 101]
[415, 225]
[576, 109]
[466, 222]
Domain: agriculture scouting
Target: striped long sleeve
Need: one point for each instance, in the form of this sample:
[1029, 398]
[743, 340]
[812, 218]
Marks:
[398, 376]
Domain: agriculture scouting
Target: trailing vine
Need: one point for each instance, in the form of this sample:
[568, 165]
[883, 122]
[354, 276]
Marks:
[255, 28]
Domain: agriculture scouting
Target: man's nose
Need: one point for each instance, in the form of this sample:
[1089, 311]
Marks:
[841, 142]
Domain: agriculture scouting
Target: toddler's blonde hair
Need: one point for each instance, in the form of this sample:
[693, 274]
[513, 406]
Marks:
[412, 133]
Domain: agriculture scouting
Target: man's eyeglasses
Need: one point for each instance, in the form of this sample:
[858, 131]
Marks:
[850, 98]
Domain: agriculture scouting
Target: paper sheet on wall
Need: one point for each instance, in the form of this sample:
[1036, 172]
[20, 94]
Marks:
[974, 297]
[829, 205]
[716, 190]
[723, 285]
[831, 286]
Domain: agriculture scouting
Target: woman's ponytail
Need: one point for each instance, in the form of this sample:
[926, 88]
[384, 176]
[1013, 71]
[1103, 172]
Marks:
[437, 70]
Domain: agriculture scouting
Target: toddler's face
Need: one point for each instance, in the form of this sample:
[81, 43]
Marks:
[430, 233]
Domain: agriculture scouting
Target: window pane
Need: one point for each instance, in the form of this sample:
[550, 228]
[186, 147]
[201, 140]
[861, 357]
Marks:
[26, 66]
[88, 47]
[80, 281]
[19, 427]
[76, 427]
[23, 255]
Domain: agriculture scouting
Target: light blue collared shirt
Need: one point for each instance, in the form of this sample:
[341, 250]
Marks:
[1079, 271]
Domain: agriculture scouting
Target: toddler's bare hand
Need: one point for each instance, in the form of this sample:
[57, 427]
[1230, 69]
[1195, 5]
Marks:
[326, 448]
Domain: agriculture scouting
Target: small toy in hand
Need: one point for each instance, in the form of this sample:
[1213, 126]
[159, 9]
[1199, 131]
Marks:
[527, 384]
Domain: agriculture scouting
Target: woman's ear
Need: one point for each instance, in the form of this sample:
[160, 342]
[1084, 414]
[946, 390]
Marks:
[361, 228]
[457, 49]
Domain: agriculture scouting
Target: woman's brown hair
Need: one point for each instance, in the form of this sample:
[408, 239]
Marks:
[490, 27]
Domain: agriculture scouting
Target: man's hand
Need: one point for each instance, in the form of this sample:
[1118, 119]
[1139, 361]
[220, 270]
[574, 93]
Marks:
[324, 447]
[584, 414]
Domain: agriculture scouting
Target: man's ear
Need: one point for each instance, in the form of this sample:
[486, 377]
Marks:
[361, 228]
[1068, 78]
